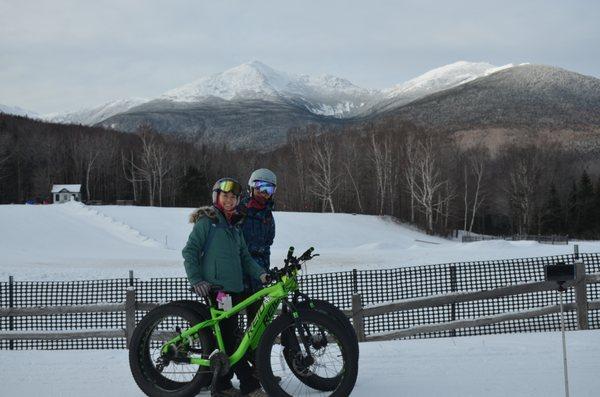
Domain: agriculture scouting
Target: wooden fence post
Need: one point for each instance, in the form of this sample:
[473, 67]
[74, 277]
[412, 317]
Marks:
[358, 319]
[581, 295]
[129, 314]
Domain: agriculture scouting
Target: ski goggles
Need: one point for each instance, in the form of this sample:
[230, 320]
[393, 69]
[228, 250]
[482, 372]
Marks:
[265, 187]
[228, 185]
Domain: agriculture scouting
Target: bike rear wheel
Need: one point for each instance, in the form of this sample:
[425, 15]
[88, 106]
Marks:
[282, 359]
[170, 374]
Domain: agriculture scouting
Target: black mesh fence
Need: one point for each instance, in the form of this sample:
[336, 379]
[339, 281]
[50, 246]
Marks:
[375, 286]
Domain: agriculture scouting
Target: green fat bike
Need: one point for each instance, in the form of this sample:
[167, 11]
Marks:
[309, 349]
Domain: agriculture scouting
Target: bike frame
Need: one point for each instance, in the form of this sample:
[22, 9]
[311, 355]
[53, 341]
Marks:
[273, 295]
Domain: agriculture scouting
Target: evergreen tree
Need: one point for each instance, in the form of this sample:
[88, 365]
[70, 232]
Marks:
[553, 213]
[572, 213]
[586, 207]
[597, 211]
[194, 187]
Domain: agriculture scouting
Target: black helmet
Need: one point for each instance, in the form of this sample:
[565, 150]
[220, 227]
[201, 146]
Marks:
[226, 185]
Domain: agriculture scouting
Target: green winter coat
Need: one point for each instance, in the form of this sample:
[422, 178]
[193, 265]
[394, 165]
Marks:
[226, 259]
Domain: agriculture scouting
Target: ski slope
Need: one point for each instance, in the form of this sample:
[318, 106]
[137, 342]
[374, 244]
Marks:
[516, 365]
[73, 241]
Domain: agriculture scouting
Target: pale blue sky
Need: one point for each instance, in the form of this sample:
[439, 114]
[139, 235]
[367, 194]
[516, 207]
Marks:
[63, 55]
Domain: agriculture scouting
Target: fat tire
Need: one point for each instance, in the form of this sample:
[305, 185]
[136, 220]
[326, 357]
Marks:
[203, 310]
[330, 309]
[315, 381]
[149, 380]
[341, 387]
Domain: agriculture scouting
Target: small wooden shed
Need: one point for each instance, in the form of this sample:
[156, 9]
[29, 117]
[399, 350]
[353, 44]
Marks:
[64, 193]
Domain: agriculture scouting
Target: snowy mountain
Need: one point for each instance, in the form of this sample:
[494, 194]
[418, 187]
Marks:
[433, 81]
[17, 111]
[524, 104]
[443, 78]
[90, 116]
[323, 95]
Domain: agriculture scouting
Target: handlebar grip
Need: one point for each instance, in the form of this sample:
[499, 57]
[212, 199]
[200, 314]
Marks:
[290, 253]
[306, 254]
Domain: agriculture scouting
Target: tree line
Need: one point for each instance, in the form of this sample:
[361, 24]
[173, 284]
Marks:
[388, 167]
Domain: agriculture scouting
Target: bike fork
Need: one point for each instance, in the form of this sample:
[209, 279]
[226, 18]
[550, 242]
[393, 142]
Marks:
[302, 331]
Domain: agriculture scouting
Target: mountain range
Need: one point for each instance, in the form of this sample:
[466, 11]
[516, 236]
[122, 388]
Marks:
[323, 95]
[254, 105]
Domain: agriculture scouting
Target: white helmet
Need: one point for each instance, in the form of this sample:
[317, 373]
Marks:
[264, 175]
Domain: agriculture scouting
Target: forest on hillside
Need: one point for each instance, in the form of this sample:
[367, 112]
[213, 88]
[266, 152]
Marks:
[382, 168]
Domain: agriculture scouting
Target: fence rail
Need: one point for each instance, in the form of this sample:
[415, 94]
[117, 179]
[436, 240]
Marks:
[582, 306]
[562, 240]
[420, 295]
[358, 312]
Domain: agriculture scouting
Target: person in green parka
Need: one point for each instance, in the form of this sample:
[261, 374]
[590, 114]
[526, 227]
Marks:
[216, 254]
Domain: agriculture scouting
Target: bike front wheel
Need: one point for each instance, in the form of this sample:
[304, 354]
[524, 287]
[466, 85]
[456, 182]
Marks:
[320, 348]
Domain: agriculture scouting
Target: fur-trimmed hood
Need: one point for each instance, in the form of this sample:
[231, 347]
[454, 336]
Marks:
[209, 211]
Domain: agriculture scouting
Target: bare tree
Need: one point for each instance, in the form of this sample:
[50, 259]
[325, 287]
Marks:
[474, 168]
[428, 181]
[162, 166]
[410, 171]
[349, 158]
[88, 148]
[130, 173]
[381, 156]
[145, 169]
[523, 177]
[299, 156]
[442, 206]
[323, 178]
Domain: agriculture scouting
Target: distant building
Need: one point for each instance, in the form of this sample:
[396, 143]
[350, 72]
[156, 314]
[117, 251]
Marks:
[64, 193]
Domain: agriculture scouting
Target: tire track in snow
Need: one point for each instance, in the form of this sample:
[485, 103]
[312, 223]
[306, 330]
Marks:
[108, 224]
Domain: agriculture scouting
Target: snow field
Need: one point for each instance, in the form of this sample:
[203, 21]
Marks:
[72, 241]
[527, 365]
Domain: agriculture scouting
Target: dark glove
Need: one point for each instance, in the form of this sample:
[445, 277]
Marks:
[202, 288]
[266, 278]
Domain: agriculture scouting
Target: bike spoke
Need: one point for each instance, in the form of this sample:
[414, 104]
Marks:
[328, 360]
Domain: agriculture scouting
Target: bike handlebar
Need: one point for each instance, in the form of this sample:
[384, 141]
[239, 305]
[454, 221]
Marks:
[306, 254]
[292, 263]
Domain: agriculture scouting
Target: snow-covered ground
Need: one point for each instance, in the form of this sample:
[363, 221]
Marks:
[73, 241]
[528, 365]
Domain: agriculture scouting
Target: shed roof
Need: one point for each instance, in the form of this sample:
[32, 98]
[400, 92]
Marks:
[69, 188]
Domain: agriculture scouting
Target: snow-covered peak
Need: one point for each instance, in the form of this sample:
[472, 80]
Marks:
[444, 77]
[17, 111]
[332, 83]
[96, 114]
[324, 94]
[249, 80]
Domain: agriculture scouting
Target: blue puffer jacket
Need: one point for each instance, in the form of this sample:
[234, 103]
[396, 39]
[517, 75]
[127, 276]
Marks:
[258, 227]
